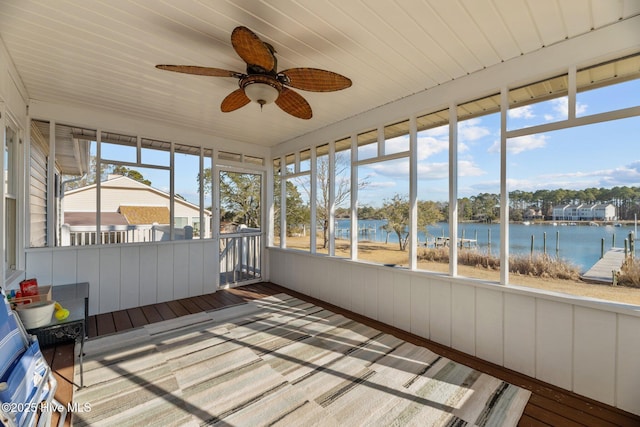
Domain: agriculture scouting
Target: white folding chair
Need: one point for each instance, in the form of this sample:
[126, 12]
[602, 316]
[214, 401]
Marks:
[27, 385]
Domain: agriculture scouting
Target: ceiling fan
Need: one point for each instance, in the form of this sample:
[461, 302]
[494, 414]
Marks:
[262, 83]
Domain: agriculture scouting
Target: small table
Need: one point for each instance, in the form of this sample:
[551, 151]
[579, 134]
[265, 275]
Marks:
[74, 298]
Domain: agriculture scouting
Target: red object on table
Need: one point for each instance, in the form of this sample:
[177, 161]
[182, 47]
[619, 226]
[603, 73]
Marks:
[29, 287]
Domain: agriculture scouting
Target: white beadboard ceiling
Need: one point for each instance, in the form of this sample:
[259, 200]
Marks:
[103, 53]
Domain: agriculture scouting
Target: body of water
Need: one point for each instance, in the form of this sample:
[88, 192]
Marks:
[579, 244]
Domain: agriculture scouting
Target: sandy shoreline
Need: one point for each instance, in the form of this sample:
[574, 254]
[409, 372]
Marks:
[390, 254]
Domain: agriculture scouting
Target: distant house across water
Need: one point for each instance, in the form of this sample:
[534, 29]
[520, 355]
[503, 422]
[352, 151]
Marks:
[585, 212]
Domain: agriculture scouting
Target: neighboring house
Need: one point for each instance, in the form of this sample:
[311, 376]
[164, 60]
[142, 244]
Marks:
[130, 212]
[533, 214]
[585, 212]
[605, 212]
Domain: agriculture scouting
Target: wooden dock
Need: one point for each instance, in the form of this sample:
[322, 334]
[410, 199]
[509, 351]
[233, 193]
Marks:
[602, 271]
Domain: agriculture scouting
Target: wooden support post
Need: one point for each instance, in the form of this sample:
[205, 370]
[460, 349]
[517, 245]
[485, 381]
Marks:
[532, 240]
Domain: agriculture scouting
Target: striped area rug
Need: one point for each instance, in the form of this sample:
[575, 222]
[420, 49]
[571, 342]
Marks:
[281, 361]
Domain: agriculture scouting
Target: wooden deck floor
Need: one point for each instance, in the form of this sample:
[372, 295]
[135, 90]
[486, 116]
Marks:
[548, 406]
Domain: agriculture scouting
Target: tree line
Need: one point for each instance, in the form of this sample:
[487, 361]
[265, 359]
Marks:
[486, 206]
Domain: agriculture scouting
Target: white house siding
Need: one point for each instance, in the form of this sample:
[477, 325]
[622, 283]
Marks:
[13, 101]
[38, 190]
[126, 192]
[587, 347]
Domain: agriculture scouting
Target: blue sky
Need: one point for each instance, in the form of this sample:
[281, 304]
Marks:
[600, 155]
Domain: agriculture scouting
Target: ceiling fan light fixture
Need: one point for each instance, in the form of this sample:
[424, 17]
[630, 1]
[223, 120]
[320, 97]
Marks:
[261, 93]
[261, 89]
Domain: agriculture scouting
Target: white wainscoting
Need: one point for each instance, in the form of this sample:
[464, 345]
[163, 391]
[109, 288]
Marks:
[582, 345]
[125, 276]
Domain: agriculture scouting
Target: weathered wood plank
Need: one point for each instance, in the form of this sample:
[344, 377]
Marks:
[122, 321]
[151, 313]
[105, 324]
[137, 317]
[602, 271]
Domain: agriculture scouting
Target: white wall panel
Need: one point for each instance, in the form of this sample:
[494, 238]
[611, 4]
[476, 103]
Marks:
[302, 278]
[419, 306]
[316, 279]
[280, 260]
[290, 273]
[554, 342]
[402, 301]
[40, 266]
[628, 364]
[371, 293]
[440, 312]
[109, 285]
[520, 333]
[385, 295]
[64, 267]
[463, 302]
[165, 273]
[88, 271]
[328, 289]
[125, 276]
[129, 277]
[489, 325]
[148, 274]
[211, 256]
[342, 284]
[180, 271]
[594, 354]
[196, 269]
[358, 289]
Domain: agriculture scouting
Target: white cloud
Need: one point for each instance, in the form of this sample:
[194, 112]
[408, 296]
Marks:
[470, 130]
[525, 112]
[440, 131]
[526, 143]
[521, 144]
[429, 146]
[396, 145]
[433, 171]
[627, 175]
[398, 169]
[560, 109]
[469, 168]
[381, 184]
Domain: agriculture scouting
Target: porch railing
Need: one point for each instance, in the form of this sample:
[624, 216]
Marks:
[240, 256]
[109, 234]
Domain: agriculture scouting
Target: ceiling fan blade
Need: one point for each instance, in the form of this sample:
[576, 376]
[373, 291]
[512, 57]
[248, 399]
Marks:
[251, 49]
[315, 80]
[200, 71]
[293, 103]
[234, 100]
